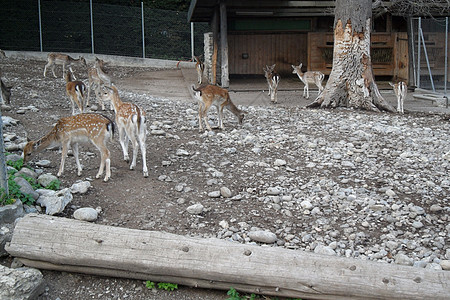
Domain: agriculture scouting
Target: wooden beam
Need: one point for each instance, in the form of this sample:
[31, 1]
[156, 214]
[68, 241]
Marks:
[215, 29]
[225, 79]
[55, 243]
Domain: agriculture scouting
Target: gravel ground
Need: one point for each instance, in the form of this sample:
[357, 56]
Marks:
[368, 186]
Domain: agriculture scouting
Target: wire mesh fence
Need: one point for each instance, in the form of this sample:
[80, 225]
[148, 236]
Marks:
[430, 52]
[65, 26]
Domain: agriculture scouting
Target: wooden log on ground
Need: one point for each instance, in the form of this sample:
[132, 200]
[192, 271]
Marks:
[54, 243]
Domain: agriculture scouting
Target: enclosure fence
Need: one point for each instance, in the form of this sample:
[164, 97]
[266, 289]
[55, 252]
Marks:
[429, 44]
[86, 27]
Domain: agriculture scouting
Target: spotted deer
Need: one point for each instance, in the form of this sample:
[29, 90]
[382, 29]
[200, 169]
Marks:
[200, 67]
[400, 90]
[72, 130]
[273, 79]
[131, 122]
[64, 60]
[97, 79]
[310, 77]
[76, 91]
[208, 95]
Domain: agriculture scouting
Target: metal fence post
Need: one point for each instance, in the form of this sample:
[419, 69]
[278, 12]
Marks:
[419, 26]
[40, 24]
[192, 41]
[92, 26]
[143, 32]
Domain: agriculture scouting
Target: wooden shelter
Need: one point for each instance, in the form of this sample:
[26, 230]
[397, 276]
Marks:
[247, 35]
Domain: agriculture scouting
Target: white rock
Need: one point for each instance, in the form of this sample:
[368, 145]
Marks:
[305, 204]
[80, 187]
[195, 209]
[223, 224]
[279, 162]
[214, 194]
[326, 250]
[445, 264]
[225, 192]
[402, 259]
[263, 236]
[86, 214]
[274, 191]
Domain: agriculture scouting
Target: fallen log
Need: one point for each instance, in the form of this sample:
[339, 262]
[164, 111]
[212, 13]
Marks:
[54, 243]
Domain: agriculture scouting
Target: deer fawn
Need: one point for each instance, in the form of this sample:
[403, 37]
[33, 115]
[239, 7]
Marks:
[200, 67]
[400, 90]
[131, 122]
[310, 77]
[5, 92]
[208, 95]
[64, 60]
[76, 91]
[273, 79]
[97, 78]
[72, 130]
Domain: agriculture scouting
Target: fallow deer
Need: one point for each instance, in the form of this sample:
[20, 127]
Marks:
[97, 79]
[64, 60]
[5, 92]
[273, 79]
[2, 54]
[70, 131]
[208, 95]
[310, 77]
[76, 91]
[131, 122]
[400, 90]
[200, 67]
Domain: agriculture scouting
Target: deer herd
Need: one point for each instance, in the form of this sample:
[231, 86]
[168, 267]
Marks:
[130, 119]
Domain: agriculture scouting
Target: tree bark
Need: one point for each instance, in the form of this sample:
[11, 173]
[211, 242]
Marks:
[351, 82]
[69, 245]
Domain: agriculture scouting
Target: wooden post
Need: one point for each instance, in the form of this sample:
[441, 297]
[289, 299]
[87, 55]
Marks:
[215, 30]
[69, 245]
[225, 82]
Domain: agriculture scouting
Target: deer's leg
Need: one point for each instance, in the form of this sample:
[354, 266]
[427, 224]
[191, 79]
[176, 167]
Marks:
[104, 160]
[142, 137]
[45, 68]
[134, 143]
[123, 140]
[53, 71]
[65, 148]
[73, 73]
[220, 117]
[77, 159]
[200, 116]
[98, 96]
[205, 117]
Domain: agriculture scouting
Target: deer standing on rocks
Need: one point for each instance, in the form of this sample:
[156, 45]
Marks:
[76, 91]
[400, 90]
[310, 77]
[70, 131]
[64, 60]
[208, 95]
[131, 122]
[273, 79]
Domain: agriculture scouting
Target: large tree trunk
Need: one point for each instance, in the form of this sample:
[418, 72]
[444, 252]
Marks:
[351, 82]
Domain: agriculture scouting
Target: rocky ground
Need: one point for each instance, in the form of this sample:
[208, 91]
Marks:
[368, 186]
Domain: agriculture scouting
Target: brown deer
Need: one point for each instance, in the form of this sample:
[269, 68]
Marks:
[200, 67]
[76, 91]
[400, 90]
[97, 79]
[208, 95]
[64, 60]
[310, 77]
[131, 122]
[70, 131]
[273, 79]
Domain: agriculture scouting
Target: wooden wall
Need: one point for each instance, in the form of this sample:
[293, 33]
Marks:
[389, 53]
[284, 49]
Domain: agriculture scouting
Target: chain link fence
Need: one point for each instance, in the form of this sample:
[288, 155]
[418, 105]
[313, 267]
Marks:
[65, 26]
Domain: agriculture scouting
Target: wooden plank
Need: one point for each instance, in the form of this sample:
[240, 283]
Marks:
[65, 244]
